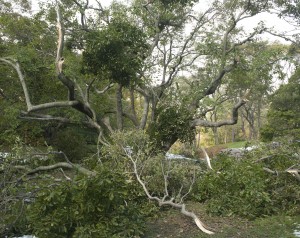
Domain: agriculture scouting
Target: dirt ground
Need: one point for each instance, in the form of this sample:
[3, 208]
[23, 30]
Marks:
[173, 224]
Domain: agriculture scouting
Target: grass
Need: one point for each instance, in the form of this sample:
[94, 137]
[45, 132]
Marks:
[170, 223]
[173, 224]
[270, 227]
[239, 144]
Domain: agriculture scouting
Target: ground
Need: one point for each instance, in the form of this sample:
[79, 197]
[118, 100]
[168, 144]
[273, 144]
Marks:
[171, 223]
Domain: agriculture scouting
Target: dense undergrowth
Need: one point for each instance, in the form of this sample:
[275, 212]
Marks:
[113, 204]
[254, 186]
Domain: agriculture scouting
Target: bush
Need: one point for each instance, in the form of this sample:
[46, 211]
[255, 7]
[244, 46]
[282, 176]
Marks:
[110, 204]
[238, 189]
[152, 165]
[172, 123]
[107, 205]
[243, 188]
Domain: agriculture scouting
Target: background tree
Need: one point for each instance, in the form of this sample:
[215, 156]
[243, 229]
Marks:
[283, 115]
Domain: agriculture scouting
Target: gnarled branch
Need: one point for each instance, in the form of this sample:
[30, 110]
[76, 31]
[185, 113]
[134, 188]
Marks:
[232, 121]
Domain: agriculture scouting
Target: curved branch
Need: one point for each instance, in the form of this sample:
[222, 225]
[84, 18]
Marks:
[232, 121]
[16, 66]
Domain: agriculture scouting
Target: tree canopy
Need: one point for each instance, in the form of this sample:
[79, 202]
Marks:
[142, 46]
[103, 89]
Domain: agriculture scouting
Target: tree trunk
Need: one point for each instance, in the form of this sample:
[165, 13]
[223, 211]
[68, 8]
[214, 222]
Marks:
[258, 117]
[145, 113]
[199, 139]
[119, 107]
[225, 135]
[132, 101]
[215, 129]
[243, 127]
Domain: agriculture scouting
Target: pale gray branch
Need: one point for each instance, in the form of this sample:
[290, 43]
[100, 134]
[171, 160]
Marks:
[62, 165]
[16, 66]
[293, 172]
[162, 202]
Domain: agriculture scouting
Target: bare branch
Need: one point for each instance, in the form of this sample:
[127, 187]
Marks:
[283, 36]
[191, 186]
[16, 66]
[62, 165]
[67, 177]
[105, 89]
[43, 117]
[207, 159]
[162, 201]
[232, 121]
[293, 172]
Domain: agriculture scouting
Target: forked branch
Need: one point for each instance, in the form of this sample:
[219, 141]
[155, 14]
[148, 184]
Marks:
[162, 201]
[233, 120]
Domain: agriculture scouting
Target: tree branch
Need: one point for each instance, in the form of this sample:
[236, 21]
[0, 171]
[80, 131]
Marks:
[293, 172]
[16, 66]
[163, 202]
[232, 121]
[65, 165]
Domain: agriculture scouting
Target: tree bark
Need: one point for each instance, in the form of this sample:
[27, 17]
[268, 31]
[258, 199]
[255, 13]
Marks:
[145, 113]
[119, 107]
[132, 104]
[232, 121]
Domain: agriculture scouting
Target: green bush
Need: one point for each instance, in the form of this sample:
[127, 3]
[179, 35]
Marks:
[107, 205]
[238, 189]
[151, 164]
[110, 204]
[172, 123]
[242, 187]
[284, 112]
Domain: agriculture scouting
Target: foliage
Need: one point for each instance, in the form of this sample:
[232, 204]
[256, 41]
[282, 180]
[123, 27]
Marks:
[107, 205]
[14, 194]
[183, 3]
[239, 189]
[172, 123]
[118, 51]
[243, 188]
[284, 113]
[113, 46]
[289, 8]
[29, 41]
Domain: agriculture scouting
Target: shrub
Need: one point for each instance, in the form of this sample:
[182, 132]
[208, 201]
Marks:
[238, 188]
[107, 205]
[151, 164]
[243, 188]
